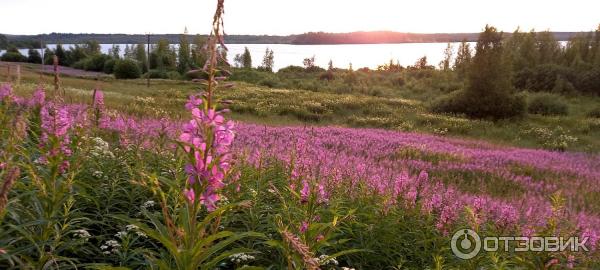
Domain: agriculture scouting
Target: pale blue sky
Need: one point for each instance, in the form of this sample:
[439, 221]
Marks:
[294, 16]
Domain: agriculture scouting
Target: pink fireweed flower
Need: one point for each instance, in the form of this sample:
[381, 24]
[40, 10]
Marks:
[38, 98]
[190, 195]
[303, 227]
[56, 123]
[99, 99]
[305, 192]
[5, 91]
[194, 102]
[208, 139]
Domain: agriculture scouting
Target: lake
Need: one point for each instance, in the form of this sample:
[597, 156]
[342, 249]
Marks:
[360, 55]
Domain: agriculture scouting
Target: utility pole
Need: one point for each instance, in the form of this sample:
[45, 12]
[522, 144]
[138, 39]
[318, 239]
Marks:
[148, 61]
[42, 53]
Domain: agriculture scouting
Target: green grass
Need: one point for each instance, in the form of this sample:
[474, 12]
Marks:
[405, 109]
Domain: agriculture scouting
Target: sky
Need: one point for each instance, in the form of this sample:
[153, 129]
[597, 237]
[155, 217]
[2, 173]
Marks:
[283, 17]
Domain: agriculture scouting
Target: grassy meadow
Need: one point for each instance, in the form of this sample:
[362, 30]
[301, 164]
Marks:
[397, 108]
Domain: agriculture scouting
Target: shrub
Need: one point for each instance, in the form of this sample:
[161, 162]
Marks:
[458, 102]
[96, 62]
[589, 81]
[291, 69]
[543, 77]
[173, 75]
[109, 66]
[327, 76]
[127, 69]
[547, 104]
[13, 57]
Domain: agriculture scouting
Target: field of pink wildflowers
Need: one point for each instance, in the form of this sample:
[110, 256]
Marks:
[282, 197]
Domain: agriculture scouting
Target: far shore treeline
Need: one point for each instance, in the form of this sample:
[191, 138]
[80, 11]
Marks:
[33, 41]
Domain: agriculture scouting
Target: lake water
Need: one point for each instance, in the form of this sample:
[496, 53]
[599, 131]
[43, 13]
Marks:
[360, 55]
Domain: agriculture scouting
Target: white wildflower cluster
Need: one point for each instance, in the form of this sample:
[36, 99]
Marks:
[110, 246]
[241, 258]
[148, 204]
[98, 174]
[324, 260]
[100, 148]
[347, 268]
[253, 192]
[223, 201]
[82, 234]
[130, 228]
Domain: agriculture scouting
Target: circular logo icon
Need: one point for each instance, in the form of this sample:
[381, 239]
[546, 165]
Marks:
[465, 244]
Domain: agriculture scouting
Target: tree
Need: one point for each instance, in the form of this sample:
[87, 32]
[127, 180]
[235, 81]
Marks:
[92, 47]
[238, 61]
[183, 63]
[62, 56]
[489, 90]
[48, 56]
[3, 41]
[463, 59]
[33, 56]
[198, 52]
[448, 52]
[246, 59]
[330, 65]
[309, 63]
[548, 48]
[12, 54]
[141, 57]
[421, 63]
[115, 51]
[268, 60]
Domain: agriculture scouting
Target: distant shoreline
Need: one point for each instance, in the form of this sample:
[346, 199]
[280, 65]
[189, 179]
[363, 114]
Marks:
[313, 38]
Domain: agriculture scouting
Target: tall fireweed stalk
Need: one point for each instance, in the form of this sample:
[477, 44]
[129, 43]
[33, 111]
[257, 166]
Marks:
[206, 140]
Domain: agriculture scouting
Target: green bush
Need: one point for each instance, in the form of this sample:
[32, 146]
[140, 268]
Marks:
[109, 66]
[13, 57]
[589, 81]
[547, 104]
[96, 62]
[173, 75]
[127, 69]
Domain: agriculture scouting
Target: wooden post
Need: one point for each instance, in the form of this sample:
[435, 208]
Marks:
[56, 76]
[8, 73]
[18, 74]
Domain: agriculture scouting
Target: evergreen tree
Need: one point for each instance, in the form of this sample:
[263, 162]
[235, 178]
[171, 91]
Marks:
[48, 56]
[141, 57]
[3, 41]
[34, 56]
[183, 64]
[62, 57]
[246, 59]
[489, 90]
[330, 65]
[463, 59]
[548, 48]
